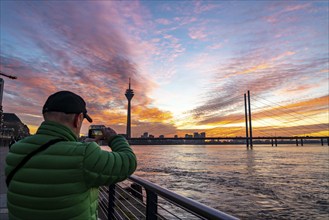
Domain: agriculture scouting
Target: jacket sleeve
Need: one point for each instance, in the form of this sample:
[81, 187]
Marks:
[105, 168]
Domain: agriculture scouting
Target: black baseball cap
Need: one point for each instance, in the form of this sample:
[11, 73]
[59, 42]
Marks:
[67, 102]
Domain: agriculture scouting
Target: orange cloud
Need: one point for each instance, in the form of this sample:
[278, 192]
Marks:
[311, 103]
[146, 114]
[263, 66]
[109, 117]
[255, 68]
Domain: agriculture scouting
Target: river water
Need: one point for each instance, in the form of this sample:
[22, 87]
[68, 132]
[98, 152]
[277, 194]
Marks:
[284, 182]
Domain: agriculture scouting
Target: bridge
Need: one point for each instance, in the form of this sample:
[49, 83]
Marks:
[267, 116]
[298, 140]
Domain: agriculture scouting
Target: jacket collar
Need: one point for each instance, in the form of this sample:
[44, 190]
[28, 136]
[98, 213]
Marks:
[57, 130]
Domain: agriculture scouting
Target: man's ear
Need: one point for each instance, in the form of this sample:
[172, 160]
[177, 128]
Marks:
[77, 119]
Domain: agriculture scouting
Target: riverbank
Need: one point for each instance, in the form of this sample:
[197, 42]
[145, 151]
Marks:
[230, 141]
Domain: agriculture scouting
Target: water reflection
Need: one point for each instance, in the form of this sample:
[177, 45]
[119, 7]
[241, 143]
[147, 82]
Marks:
[250, 162]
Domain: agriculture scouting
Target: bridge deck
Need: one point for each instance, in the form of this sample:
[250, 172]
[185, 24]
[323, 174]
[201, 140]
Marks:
[237, 138]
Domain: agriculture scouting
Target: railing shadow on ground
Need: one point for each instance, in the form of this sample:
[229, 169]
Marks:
[137, 198]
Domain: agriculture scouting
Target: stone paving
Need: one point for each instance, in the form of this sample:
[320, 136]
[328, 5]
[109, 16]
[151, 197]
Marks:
[3, 187]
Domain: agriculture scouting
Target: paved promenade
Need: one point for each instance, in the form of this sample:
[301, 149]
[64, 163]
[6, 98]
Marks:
[3, 187]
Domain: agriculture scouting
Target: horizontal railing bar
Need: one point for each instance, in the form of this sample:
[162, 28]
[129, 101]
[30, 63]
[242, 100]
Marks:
[190, 204]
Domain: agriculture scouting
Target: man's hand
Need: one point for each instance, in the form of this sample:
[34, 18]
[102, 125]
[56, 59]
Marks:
[89, 140]
[107, 134]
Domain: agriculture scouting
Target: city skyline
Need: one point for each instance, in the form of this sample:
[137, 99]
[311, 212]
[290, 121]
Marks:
[190, 63]
[146, 134]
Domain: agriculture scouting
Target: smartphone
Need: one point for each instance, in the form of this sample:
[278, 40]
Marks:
[95, 131]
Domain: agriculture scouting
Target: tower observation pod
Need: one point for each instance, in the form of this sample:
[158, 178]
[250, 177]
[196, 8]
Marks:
[129, 95]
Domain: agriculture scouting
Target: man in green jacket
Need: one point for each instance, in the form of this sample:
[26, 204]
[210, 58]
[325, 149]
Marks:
[61, 182]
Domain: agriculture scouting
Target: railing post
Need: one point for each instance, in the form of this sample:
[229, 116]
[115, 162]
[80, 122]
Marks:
[296, 142]
[110, 213]
[321, 141]
[151, 205]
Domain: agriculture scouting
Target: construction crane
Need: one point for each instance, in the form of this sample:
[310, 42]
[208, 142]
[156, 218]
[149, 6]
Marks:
[6, 75]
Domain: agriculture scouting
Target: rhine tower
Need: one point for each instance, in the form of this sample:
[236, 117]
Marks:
[129, 94]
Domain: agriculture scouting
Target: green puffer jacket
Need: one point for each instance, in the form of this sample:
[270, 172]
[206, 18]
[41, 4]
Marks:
[62, 181]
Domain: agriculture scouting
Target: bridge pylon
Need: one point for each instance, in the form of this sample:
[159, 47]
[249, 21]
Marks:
[247, 108]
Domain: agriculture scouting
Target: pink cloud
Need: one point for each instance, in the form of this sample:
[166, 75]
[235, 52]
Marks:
[296, 7]
[185, 20]
[272, 19]
[163, 21]
[201, 7]
[215, 46]
[286, 13]
[197, 34]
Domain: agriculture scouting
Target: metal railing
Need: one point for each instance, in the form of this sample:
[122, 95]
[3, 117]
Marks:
[137, 198]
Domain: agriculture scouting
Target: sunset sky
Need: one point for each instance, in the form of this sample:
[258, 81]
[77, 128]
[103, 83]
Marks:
[190, 63]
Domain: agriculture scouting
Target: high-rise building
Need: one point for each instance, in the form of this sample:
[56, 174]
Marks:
[145, 135]
[188, 136]
[1, 110]
[1, 90]
[129, 95]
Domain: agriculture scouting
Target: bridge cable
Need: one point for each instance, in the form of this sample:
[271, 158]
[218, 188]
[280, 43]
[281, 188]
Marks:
[299, 125]
[278, 119]
[289, 111]
[297, 119]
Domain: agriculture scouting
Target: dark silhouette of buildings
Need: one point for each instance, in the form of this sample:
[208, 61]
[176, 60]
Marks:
[1, 95]
[129, 95]
[13, 126]
[195, 135]
[145, 135]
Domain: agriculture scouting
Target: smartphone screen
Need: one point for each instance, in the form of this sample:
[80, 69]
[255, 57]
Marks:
[94, 133]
